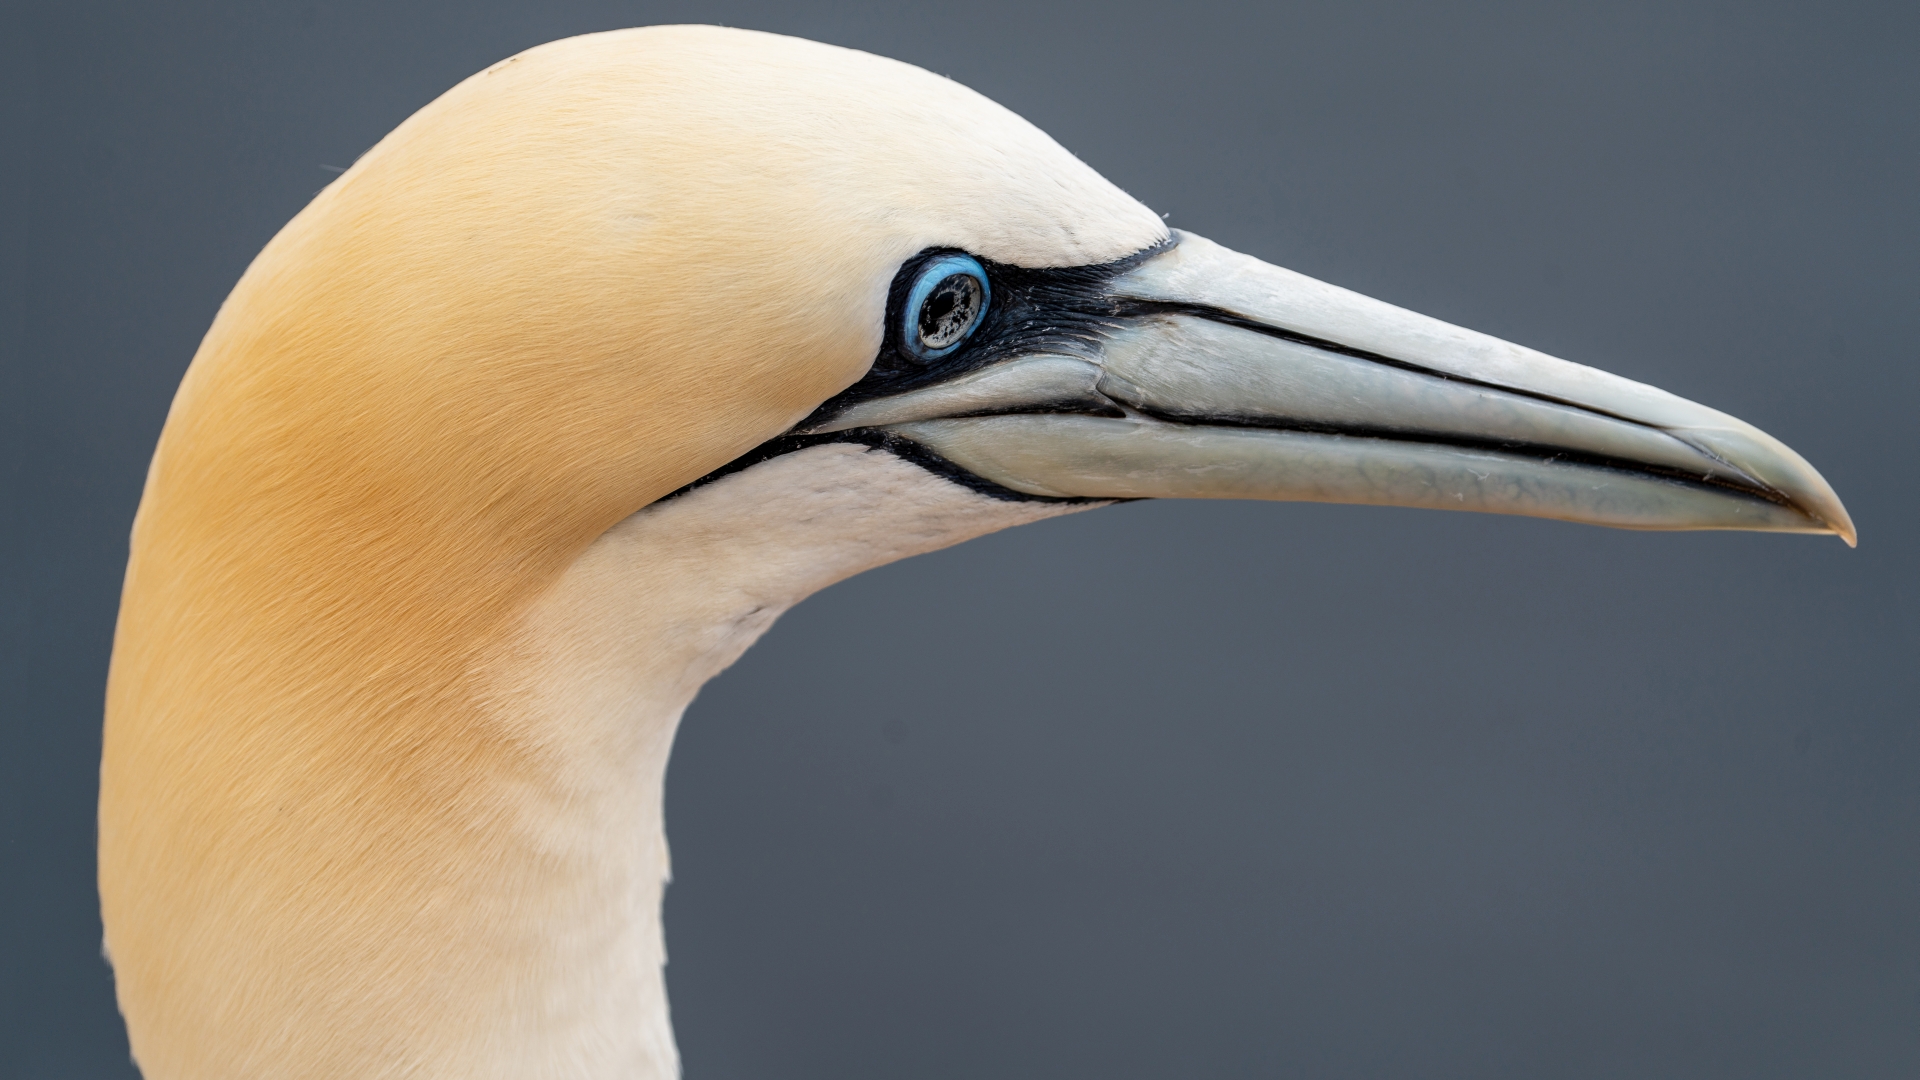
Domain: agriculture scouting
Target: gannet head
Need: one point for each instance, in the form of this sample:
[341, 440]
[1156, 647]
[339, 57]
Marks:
[614, 264]
[650, 284]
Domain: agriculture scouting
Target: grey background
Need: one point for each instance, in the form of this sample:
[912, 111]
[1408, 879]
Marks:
[1166, 789]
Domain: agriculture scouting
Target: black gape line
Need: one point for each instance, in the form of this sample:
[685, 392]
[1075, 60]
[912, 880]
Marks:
[1071, 310]
[879, 439]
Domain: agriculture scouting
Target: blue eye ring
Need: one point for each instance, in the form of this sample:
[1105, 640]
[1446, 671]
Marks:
[948, 299]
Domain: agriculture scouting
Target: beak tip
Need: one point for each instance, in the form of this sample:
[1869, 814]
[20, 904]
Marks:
[1829, 511]
[1834, 517]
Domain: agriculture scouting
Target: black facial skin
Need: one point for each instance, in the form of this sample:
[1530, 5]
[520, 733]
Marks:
[1064, 309]
[1055, 309]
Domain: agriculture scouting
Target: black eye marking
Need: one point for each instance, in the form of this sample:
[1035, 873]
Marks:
[1055, 309]
[1020, 311]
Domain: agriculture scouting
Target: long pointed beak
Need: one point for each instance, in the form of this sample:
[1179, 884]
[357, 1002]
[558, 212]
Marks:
[1226, 377]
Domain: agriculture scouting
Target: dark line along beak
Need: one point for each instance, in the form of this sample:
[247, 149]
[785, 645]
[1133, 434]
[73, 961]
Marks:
[1226, 377]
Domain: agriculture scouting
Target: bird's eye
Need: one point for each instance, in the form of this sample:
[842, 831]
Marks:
[944, 306]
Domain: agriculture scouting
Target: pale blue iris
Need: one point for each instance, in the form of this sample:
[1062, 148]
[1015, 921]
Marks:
[958, 286]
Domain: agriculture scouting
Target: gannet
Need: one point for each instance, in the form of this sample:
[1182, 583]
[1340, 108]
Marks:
[536, 417]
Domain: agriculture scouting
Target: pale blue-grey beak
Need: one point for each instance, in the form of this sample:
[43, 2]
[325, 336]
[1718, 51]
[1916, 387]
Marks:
[1221, 376]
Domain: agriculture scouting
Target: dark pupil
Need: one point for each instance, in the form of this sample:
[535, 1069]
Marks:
[949, 311]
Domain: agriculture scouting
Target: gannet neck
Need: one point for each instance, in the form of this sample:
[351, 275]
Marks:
[592, 681]
[487, 905]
